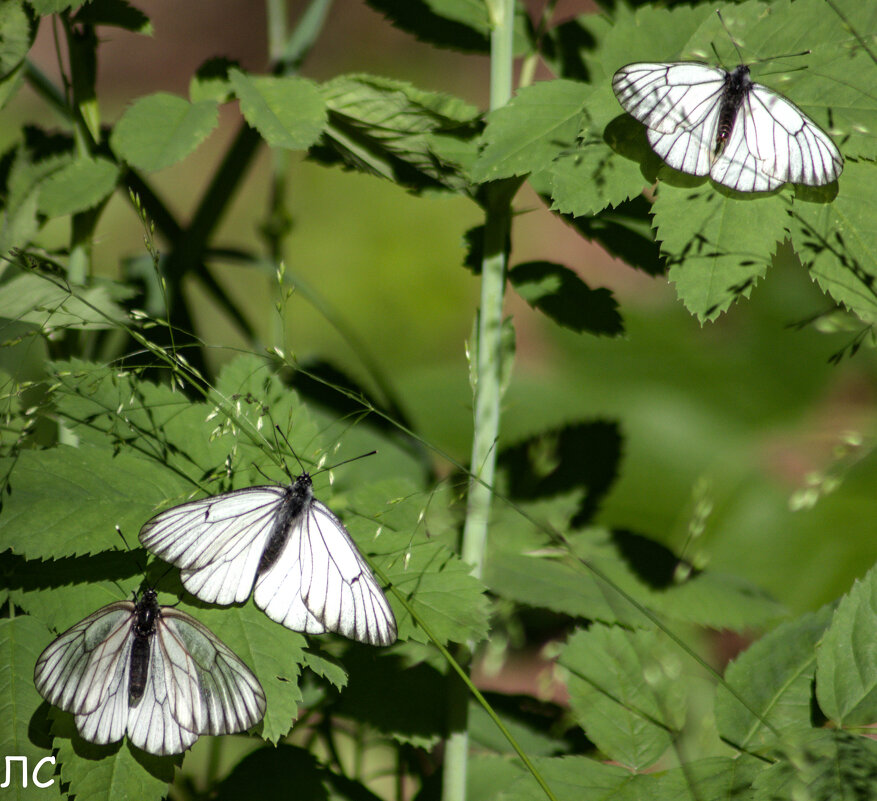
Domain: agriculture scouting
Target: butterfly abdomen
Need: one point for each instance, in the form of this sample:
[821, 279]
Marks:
[298, 495]
[737, 84]
[144, 627]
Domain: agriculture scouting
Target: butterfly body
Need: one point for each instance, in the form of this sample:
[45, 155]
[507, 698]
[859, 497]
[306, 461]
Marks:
[150, 672]
[737, 84]
[296, 497]
[703, 120]
[143, 627]
[284, 547]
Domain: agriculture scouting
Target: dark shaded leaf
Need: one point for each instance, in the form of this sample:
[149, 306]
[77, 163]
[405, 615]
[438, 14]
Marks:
[625, 232]
[279, 773]
[560, 294]
[583, 455]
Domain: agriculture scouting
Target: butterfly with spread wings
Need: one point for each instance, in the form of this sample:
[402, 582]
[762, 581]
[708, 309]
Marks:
[704, 120]
[151, 672]
[307, 571]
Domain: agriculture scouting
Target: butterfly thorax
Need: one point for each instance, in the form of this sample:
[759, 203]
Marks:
[145, 613]
[737, 84]
[296, 498]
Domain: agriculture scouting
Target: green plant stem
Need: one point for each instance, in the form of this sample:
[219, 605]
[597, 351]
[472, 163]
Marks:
[81, 45]
[308, 28]
[488, 390]
[276, 14]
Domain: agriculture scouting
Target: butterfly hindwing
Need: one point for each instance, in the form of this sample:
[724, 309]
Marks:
[230, 697]
[789, 144]
[322, 583]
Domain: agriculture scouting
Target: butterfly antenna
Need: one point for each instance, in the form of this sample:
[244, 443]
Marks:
[291, 449]
[728, 31]
[140, 567]
[784, 55]
[130, 550]
[168, 570]
[345, 461]
[263, 473]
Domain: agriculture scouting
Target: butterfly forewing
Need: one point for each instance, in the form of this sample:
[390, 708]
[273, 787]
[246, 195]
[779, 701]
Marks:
[703, 120]
[669, 97]
[216, 541]
[77, 670]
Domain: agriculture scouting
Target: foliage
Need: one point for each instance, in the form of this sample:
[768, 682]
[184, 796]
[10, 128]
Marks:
[114, 408]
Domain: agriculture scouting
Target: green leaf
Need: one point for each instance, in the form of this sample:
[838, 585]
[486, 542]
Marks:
[19, 223]
[32, 163]
[116, 13]
[532, 570]
[31, 299]
[625, 232]
[775, 677]
[211, 81]
[288, 112]
[592, 177]
[560, 294]
[326, 669]
[488, 777]
[34, 160]
[65, 501]
[829, 765]
[61, 592]
[24, 728]
[527, 134]
[625, 691]
[80, 185]
[846, 663]
[837, 241]
[548, 584]
[392, 129]
[441, 590]
[723, 778]
[161, 129]
[109, 772]
[719, 246]
[16, 35]
[10, 83]
[528, 734]
[571, 779]
[195, 440]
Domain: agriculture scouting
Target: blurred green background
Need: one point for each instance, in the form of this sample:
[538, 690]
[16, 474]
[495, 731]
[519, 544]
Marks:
[735, 415]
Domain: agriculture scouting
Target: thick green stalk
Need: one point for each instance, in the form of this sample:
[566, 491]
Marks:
[81, 47]
[487, 371]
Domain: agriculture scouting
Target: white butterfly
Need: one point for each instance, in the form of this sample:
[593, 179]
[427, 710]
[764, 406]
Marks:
[307, 571]
[705, 121]
[151, 672]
